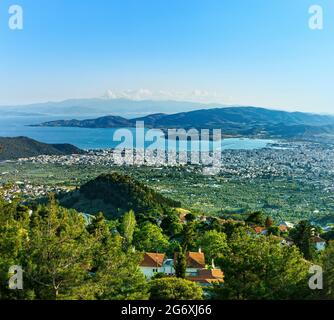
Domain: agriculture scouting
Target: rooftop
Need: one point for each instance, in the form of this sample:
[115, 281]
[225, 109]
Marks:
[208, 276]
[194, 260]
[153, 259]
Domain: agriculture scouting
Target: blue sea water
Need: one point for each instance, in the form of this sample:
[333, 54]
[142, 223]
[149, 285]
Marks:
[85, 138]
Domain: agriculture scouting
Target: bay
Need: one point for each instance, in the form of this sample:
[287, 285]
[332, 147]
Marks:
[103, 138]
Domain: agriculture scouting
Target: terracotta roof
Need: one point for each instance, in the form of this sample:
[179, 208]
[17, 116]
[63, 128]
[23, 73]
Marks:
[153, 260]
[208, 276]
[317, 240]
[288, 224]
[194, 260]
[258, 230]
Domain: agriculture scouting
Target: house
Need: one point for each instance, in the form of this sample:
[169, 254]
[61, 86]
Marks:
[287, 224]
[152, 264]
[320, 244]
[207, 277]
[196, 270]
[260, 230]
[195, 262]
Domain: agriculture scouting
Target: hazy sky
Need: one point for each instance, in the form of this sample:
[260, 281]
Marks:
[247, 52]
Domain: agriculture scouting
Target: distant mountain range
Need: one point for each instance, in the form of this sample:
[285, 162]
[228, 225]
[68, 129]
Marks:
[99, 107]
[234, 121]
[22, 147]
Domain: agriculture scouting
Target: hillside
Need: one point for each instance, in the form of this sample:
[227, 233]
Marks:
[244, 121]
[23, 147]
[103, 122]
[114, 194]
[237, 116]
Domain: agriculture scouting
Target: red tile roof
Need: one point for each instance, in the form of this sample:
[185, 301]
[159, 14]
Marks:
[258, 230]
[208, 276]
[194, 260]
[153, 260]
[317, 240]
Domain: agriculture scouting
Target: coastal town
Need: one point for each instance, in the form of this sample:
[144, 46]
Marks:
[294, 159]
[301, 173]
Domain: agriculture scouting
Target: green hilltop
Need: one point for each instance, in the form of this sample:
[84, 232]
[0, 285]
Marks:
[23, 147]
[114, 194]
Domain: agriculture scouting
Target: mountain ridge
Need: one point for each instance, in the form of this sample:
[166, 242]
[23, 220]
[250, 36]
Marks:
[244, 121]
[100, 106]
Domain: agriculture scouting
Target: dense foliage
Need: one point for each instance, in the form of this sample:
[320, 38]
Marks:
[174, 289]
[115, 194]
[65, 257]
[62, 258]
[262, 268]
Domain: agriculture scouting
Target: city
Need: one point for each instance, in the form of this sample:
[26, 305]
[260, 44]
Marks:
[301, 173]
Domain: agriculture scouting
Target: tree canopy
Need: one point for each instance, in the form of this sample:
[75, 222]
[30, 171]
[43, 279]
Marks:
[262, 268]
[63, 258]
[174, 289]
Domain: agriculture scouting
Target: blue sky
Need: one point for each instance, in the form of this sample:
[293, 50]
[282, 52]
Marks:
[247, 52]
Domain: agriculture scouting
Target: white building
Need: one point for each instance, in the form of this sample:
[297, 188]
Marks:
[195, 262]
[196, 271]
[320, 244]
[152, 264]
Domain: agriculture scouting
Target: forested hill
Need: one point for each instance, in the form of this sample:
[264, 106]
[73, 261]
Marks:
[23, 147]
[113, 194]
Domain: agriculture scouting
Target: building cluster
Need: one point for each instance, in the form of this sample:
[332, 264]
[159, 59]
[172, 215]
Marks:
[295, 160]
[196, 270]
[24, 189]
[284, 227]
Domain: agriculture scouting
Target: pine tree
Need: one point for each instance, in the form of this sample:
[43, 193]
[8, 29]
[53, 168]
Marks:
[189, 236]
[127, 227]
[58, 255]
[181, 265]
[302, 237]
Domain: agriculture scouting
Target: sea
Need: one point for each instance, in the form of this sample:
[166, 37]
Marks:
[103, 138]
